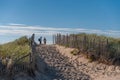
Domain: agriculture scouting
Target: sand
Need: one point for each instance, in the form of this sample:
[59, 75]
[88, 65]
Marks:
[97, 71]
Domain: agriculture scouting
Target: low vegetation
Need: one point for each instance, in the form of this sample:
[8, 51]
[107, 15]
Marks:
[75, 52]
[15, 49]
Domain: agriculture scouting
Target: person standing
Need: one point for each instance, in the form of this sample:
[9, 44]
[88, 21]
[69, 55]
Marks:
[44, 40]
[40, 40]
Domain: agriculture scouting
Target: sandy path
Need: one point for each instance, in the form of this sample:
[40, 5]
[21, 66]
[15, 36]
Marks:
[59, 66]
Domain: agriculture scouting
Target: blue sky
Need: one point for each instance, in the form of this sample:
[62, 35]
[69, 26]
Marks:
[47, 17]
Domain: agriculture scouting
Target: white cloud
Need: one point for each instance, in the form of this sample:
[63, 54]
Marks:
[12, 24]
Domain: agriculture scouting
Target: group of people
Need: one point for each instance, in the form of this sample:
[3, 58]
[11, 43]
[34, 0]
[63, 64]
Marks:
[40, 40]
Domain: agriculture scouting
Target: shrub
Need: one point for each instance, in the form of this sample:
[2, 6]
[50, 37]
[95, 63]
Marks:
[75, 52]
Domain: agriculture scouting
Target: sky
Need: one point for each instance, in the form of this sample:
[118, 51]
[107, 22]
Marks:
[48, 17]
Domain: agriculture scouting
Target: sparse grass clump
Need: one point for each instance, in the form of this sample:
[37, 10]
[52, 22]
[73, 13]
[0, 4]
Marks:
[75, 52]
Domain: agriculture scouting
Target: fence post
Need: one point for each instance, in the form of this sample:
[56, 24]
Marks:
[32, 55]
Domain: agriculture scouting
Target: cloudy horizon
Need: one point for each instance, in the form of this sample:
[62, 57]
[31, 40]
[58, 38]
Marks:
[13, 31]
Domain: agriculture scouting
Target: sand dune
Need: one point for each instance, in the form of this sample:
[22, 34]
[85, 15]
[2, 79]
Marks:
[97, 71]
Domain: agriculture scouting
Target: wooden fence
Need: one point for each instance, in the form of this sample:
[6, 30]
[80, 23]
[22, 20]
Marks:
[99, 47]
[13, 66]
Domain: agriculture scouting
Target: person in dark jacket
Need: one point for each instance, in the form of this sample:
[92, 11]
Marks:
[40, 40]
[44, 40]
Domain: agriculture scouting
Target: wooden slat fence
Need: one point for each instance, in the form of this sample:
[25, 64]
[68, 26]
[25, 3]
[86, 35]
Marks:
[102, 48]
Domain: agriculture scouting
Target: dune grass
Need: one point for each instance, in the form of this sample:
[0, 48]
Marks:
[15, 49]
